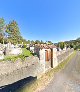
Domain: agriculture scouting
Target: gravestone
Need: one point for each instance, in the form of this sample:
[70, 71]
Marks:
[1, 55]
[16, 51]
[7, 49]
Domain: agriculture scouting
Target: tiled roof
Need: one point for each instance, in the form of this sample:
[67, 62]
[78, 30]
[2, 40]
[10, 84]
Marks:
[45, 46]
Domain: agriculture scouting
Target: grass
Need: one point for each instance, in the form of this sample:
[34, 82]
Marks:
[47, 77]
[25, 53]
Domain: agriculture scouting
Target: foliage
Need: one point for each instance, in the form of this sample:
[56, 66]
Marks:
[26, 52]
[2, 29]
[74, 43]
[1, 38]
[2, 25]
[32, 42]
[78, 39]
[49, 42]
[61, 45]
[37, 41]
[28, 42]
[71, 45]
[13, 32]
[24, 46]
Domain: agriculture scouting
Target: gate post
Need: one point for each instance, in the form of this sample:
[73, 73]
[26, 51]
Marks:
[42, 59]
[55, 61]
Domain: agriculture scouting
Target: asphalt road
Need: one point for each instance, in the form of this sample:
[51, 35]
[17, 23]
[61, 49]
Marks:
[67, 80]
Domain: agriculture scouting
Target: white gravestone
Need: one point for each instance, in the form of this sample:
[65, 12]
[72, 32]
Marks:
[1, 55]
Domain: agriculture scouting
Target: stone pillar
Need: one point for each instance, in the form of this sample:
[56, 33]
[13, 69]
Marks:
[42, 59]
[55, 61]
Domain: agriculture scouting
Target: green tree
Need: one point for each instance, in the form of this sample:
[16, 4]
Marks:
[49, 42]
[28, 42]
[2, 29]
[1, 38]
[37, 42]
[12, 29]
[71, 45]
[42, 42]
[32, 42]
[61, 45]
[78, 39]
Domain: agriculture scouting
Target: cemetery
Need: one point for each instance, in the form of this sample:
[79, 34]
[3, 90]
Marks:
[47, 57]
[8, 51]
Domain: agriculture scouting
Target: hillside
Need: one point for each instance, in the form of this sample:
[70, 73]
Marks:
[74, 43]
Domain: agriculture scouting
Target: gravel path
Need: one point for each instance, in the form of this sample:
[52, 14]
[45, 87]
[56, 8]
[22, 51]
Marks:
[67, 80]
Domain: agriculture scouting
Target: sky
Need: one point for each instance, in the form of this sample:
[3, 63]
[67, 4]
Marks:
[47, 20]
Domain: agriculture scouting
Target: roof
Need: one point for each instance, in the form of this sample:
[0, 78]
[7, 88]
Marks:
[45, 46]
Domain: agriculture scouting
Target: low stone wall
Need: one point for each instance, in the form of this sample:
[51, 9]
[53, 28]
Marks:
[11, 72]
[62, 55]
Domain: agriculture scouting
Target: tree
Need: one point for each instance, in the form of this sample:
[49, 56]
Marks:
[2, 29]
[28, 41]
[42, 42]
[61, 45]
[78, 39]
[71, 45]
[37, 42]
[1, 38]
[12, 29]
[32, 42]
[49, 42]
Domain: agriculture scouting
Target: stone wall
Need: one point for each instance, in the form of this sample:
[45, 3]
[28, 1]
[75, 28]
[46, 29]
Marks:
[11, 72]
[62, 55]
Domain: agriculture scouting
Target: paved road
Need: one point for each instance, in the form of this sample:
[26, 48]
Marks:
[67, 80]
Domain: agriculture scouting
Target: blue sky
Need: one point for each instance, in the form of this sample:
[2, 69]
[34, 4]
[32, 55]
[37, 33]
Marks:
[55, 20]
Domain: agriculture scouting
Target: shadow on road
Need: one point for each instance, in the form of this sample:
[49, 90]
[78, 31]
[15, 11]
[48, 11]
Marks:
[15, 86]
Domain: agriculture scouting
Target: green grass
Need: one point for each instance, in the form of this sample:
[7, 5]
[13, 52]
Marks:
[47, 77]
[10, 58]
[26, 52]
